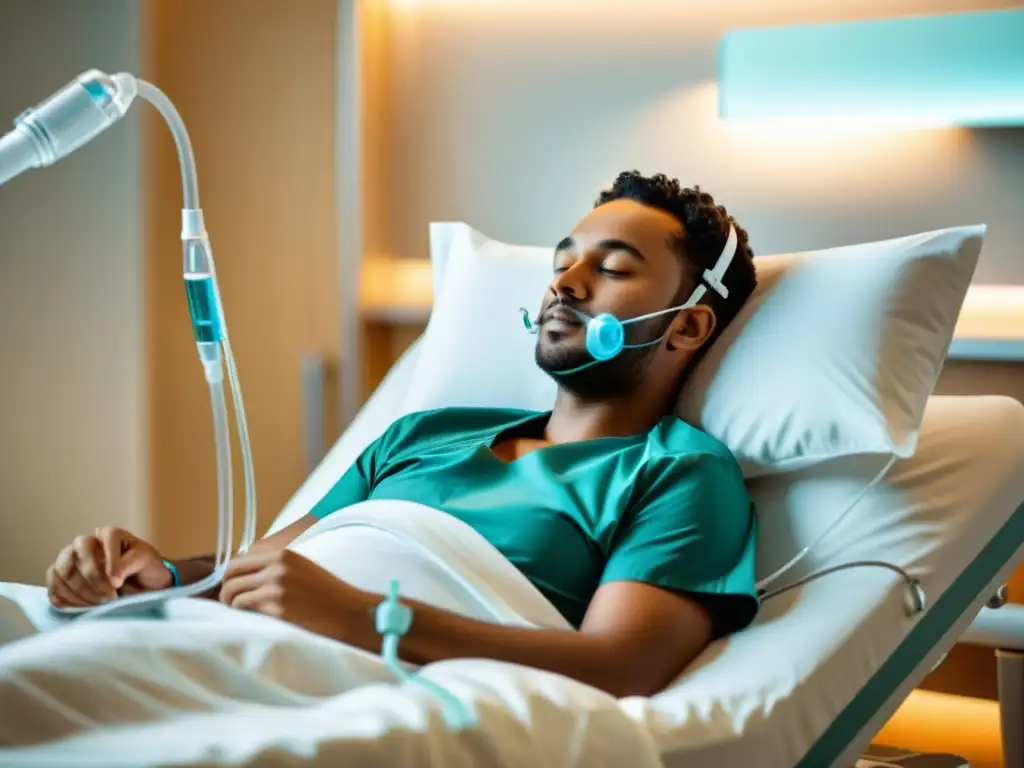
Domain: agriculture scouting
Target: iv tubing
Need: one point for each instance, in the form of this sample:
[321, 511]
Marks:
[221, 431]
[190, 202]
[213, 356]
[249, 531]
[225, 506]
[163, 105]
[762, 585]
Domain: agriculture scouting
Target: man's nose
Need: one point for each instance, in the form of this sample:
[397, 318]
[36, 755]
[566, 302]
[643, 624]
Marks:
[571, 284]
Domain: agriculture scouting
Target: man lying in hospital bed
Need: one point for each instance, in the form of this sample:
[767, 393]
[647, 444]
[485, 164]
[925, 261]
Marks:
[634, 525]
[816, 386]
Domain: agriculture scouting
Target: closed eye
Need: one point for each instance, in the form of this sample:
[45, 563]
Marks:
[602, 270]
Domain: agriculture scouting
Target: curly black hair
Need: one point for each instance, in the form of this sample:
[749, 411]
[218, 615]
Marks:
[705, 228]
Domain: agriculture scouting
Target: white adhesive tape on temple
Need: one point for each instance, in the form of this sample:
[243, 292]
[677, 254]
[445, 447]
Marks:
[714, 276]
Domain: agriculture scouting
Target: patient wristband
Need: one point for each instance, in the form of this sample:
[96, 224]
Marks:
[175, 576]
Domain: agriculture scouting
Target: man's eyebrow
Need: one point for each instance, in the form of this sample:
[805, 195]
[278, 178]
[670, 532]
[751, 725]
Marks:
[567, 244]
[621, 245]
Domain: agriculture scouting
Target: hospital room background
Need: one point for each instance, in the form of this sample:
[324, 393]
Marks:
[328, 135]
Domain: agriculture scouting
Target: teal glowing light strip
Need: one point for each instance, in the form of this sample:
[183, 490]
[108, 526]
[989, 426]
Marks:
[960, 69]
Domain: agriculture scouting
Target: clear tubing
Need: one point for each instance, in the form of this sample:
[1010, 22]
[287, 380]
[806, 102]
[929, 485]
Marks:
[456, 714]
[213, 348]
[249, 529]
[163, 105]
[205, 306]
[918, 599]
[761, 585]
[143, 600]
[190, 204]
[225, 501]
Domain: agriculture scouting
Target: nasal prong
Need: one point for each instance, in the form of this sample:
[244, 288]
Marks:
[583, 316]
[527, 323]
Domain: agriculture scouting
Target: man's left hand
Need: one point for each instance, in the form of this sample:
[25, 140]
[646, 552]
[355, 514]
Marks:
[288, 586]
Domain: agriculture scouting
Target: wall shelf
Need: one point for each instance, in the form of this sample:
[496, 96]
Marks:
[991, 325]
[988, 350]
[396, 291]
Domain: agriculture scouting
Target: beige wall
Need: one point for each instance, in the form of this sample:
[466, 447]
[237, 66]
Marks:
[72, 390]
[512, 114]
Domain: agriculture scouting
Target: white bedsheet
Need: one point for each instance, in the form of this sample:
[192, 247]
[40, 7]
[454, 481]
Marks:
[210, 685]
[762, 697]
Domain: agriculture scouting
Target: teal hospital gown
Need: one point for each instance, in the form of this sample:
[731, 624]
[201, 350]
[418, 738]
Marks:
[667, 508]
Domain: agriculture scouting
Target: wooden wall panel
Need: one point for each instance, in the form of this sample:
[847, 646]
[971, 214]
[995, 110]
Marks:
[255, 81]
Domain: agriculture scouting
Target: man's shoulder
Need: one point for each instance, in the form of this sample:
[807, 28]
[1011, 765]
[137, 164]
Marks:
[676, 444]
[694, 464]
[674, 437]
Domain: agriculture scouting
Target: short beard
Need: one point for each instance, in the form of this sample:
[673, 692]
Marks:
[613, 378]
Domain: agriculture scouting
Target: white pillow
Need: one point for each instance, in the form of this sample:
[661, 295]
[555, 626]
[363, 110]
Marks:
[835, 354]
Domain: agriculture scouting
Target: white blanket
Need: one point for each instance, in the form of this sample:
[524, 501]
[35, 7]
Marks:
[210, 685]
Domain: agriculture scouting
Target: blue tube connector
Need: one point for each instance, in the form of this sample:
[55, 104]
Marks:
[392, 621]
[207, 326]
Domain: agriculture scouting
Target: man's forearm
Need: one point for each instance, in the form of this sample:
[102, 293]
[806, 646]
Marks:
[436, 635]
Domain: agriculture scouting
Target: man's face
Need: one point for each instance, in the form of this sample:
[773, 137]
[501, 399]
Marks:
[619, 259]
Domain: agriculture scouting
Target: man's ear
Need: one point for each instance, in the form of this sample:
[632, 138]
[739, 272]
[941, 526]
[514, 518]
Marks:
[691, 328]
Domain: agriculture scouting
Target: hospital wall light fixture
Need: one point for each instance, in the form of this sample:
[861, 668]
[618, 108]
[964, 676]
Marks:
[948, 70]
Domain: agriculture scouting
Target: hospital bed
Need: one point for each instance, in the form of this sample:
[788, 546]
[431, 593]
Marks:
[809, 684]
[825, 665]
